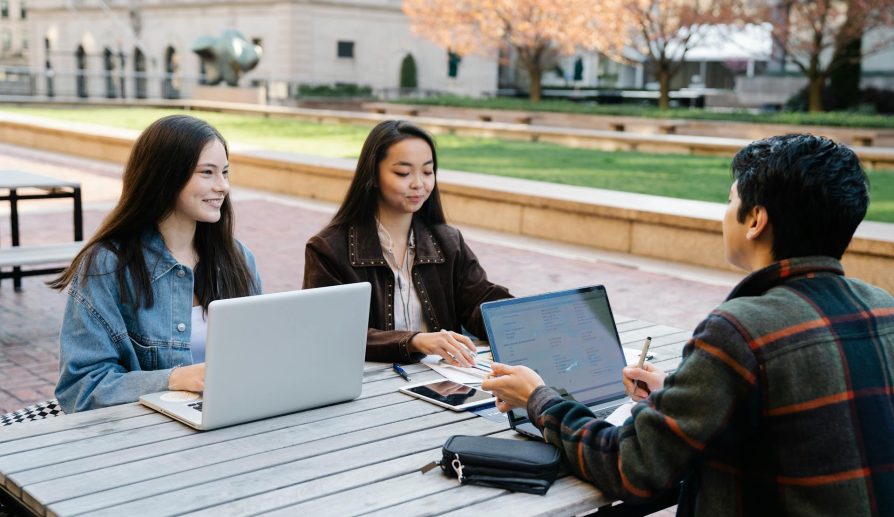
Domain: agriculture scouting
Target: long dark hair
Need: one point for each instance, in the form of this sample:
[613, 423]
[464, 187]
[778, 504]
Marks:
[161, 163]
[362, 198]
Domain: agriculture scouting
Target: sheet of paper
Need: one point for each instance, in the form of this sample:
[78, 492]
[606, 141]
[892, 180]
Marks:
[619, 415]
[490, 412]
[455, 374]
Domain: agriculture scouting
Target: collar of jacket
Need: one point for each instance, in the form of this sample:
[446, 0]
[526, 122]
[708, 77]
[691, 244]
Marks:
[365, 250]
[760, 281]
[158, 259]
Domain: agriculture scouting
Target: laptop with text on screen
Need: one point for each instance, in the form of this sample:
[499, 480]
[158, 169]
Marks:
[273, 354]
[569, 338]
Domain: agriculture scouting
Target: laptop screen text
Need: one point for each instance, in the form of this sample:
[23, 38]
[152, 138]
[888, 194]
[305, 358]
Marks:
[568, 338]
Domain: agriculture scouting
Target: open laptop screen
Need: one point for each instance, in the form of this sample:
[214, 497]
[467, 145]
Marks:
[568, 337]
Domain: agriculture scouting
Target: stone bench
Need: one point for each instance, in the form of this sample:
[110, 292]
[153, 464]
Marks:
[28, 256]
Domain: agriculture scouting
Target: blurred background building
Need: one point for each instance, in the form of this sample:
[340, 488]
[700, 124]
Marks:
[358, 48]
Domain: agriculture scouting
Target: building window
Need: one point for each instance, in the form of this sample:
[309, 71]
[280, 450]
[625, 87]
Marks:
[23, 12]
[7, 40]
[4, 8]
[346, 49]
[81, 74]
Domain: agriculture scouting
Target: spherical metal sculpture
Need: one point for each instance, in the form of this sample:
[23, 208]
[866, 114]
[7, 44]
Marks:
[226, 57]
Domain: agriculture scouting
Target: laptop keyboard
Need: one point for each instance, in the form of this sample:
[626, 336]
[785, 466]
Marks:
[196, 405]
[602, 413]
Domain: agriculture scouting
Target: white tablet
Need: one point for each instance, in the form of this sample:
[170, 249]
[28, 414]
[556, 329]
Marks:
[449, 394]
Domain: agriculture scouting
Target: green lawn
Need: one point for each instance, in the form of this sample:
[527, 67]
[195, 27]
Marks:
[681, 176]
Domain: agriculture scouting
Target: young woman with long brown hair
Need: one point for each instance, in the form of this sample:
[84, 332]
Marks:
[140, 288]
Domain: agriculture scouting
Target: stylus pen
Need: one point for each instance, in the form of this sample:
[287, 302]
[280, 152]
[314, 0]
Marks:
[642, 360]
[400, 371]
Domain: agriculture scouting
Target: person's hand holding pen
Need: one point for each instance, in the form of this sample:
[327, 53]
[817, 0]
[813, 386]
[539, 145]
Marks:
[642, 378]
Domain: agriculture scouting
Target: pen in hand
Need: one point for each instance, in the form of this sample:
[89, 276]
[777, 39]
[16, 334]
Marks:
[642, 360]
[400, 371]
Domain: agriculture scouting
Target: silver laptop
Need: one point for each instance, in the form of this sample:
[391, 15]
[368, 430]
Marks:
[274, 354]
[569, 338]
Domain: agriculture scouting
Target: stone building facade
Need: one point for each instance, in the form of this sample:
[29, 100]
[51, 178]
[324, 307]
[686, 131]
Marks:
[142, 48]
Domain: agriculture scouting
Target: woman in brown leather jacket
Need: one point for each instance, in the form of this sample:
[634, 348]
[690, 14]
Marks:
[390, 231]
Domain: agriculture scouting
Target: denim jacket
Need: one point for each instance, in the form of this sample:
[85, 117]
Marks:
[112, 352]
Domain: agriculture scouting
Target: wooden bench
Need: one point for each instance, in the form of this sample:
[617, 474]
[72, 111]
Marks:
[26, 256]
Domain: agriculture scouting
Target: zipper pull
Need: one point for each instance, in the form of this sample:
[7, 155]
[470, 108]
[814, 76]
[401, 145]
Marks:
[430, 466]
[458, 467]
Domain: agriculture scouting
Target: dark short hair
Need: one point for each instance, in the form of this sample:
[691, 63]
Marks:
[814, 190]
[362, 199]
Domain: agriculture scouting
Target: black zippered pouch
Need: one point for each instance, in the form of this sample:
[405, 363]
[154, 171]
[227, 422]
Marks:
[516, 465]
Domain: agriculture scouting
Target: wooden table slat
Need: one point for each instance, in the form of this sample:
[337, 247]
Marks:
[448, 497]
[636, 337]
[70, 422]
[348, 468]
[568, 496]
[194, 440]
[148, 419]
[70, 451]
[215, 458]
[179, 492]
[386, 476]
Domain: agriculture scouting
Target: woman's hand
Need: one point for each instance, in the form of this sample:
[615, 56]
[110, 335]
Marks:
[455, 348]
[512, 385]
[651, 376]
[188, 378]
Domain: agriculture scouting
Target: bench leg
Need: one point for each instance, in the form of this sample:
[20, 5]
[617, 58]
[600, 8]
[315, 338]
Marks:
[78, 216]
[14, 230]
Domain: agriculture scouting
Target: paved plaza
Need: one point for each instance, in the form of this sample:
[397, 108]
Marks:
[275, 228]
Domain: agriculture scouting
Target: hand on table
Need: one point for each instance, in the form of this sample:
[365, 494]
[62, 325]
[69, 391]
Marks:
[512, 385]
[455, 348]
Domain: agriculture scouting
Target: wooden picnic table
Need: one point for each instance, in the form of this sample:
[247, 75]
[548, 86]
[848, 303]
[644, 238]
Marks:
[353, 458]
[22, 186]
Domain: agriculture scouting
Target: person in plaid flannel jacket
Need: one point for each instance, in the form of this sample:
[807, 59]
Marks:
[784, 401]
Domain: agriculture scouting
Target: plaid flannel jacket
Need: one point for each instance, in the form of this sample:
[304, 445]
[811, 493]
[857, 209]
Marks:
[783, 404]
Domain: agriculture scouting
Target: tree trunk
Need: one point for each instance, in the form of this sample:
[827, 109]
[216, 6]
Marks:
[845, 80]
[663, 86]
[815, 92]
[535, 74]
[847, 65]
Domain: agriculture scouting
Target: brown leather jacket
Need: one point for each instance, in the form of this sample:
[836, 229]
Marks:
[450, 282]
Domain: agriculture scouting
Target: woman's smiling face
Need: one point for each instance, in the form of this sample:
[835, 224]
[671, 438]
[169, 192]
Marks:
[406, 176]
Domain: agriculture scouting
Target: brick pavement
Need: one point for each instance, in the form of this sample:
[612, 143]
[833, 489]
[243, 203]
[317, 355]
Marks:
[276, 228]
